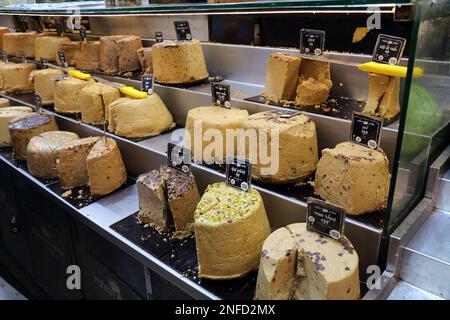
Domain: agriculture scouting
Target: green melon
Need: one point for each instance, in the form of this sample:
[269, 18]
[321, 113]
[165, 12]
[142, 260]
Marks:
[423, 118]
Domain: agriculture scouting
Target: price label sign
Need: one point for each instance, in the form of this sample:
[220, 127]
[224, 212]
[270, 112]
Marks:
[59, 29]
[221, 95]
[159, 36]
[183, 30]
[14, 224]
[312, 42]
[23, 26]
[178, 157]
[83, 34]
[38, 23]
[388, 49]
[325, 218]
[23, 57]
[37, 102]
[3, 56]
[62, 59]
[43, 63]
[239, 173]
[366, 130]
[147, 83]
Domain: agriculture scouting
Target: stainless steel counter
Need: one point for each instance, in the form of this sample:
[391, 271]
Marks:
[419, 257]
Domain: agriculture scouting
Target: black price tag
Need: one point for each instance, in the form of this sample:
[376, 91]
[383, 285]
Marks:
[43, 63]
[38, 24]
[239, 173]
[59, 29]
[183, 30]
[221, 95]
[14, 224]
[366, 130]
[23, 26]
[147, 83]
[62, 58]
[83, 34]
[312, 42]
[389, 49]
[85, 24]
[178, 157]
[3, 56]
[37, 102]
[325, 218]
[159, 36]
[23, 57]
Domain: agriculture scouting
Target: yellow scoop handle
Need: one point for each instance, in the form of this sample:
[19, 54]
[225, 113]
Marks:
[133, 92]
[389, 70]
[78, 74]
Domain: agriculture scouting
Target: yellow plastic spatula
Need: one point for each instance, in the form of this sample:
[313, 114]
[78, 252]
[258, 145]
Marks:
[388, 70]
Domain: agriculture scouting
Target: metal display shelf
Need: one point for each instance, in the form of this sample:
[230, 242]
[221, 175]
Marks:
[98, 8]
[243, 68]
[418, 262]
[109, 210]
[102, 214]
[284, 205]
